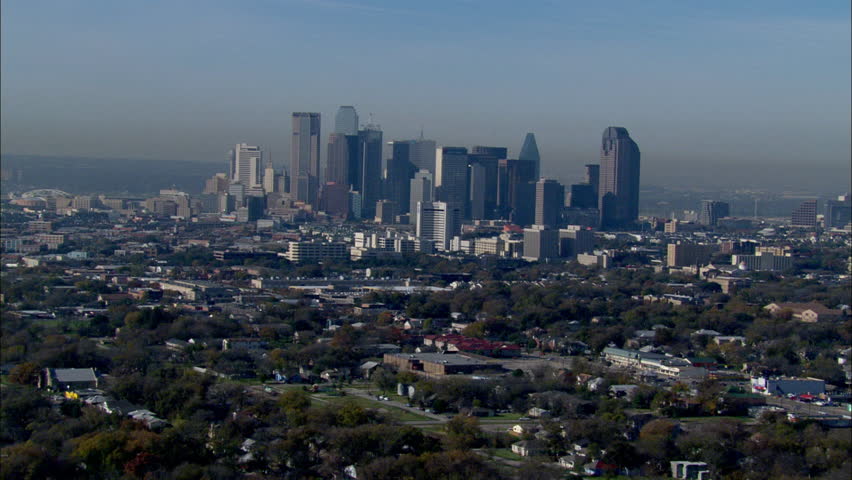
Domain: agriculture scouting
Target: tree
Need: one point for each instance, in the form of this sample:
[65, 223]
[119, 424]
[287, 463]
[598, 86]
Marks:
[385, 380]
[25, 373]
[463, 433]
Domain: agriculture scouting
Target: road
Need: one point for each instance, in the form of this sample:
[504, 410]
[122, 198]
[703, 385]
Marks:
[805, 409]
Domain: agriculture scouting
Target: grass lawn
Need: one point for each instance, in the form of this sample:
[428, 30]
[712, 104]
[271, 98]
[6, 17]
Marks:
[506, 453]
[712, 419]
[397, 413]
[501, 417]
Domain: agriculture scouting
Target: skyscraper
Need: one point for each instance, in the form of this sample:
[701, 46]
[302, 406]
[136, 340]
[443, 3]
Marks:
[593, 178]
[805, 214]
[478, 189]
[618, 189]
[305, 158]
[451, 176]
[549, 201]
[370, 155]
[838, 213]
[438, 222]
[400, 170]
[246, 165]
[346, 121]
[529, 153]
[337, 159]
[269, 178]
[489, 159]
[423, 154]
[712, 211]
[421, 191]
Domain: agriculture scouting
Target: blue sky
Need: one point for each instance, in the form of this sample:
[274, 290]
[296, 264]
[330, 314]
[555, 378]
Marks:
[701, 86]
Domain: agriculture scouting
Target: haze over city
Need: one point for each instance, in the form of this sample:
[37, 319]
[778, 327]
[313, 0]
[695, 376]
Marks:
[715, 94]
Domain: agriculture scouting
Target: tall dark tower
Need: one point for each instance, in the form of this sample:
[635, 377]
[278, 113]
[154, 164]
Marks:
[618, 188]
[305, 157]
[529, 153]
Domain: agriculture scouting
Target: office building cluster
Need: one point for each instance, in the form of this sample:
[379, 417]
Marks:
[433, 188]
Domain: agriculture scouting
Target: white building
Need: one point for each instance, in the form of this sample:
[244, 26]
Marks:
[438, 222]
[246, 165]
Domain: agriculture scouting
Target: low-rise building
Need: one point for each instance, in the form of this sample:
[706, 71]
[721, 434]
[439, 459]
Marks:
[435, 363]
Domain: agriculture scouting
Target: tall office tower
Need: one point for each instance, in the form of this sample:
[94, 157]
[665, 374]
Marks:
[451, 176]
[838, 213]
[270, 180]
[496, 152]
[246, 164]
[346, 121]
[421, 191]
[805, 214]
[237, 191]
[478, 191]
[423, 154]
[540, 243]
[593, 175]
[618, 189]
[529, 153]
[385, 212]
[370, 155]
[583, 196]
[712, 211]
[593, 178]
[489, 158]
[337, 159]
[575, 239]
[549, 202]
[305, 158]
[400, 170]
[438, 222]
[335, 199]
[216, 184]
[523, 204]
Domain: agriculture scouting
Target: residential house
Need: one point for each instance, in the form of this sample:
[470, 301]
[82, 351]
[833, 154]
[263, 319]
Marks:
[529, 448]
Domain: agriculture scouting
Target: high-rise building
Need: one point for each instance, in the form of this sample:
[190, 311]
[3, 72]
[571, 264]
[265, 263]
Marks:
[523, 204]
[478, 191]
[337, 159]
[689, 254]
[216, 184]
[246, 165]
[438, 222]
[421, 191]
[400, 170]
[270, 179]
[549, 201]
[618, 188]
[335, 199]
[305, 158]
[541, 243]
[805, 215]
[451, 176]
[529, 153]
[385, 212]
[838, 213]
[712, 211]
[422, 154]
[346, 121]
[370, 155]
[574, 240]
[583, 196]
[593, 178]
[489, 159]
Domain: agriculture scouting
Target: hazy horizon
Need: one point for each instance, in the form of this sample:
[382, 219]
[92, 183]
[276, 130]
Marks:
[714, 94]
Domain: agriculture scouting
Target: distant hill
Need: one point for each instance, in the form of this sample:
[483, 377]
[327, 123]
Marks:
[103, 175]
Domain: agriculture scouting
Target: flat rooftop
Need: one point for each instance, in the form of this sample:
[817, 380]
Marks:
[447, 359]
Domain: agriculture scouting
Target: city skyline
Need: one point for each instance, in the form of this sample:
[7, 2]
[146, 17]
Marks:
[121, 104]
